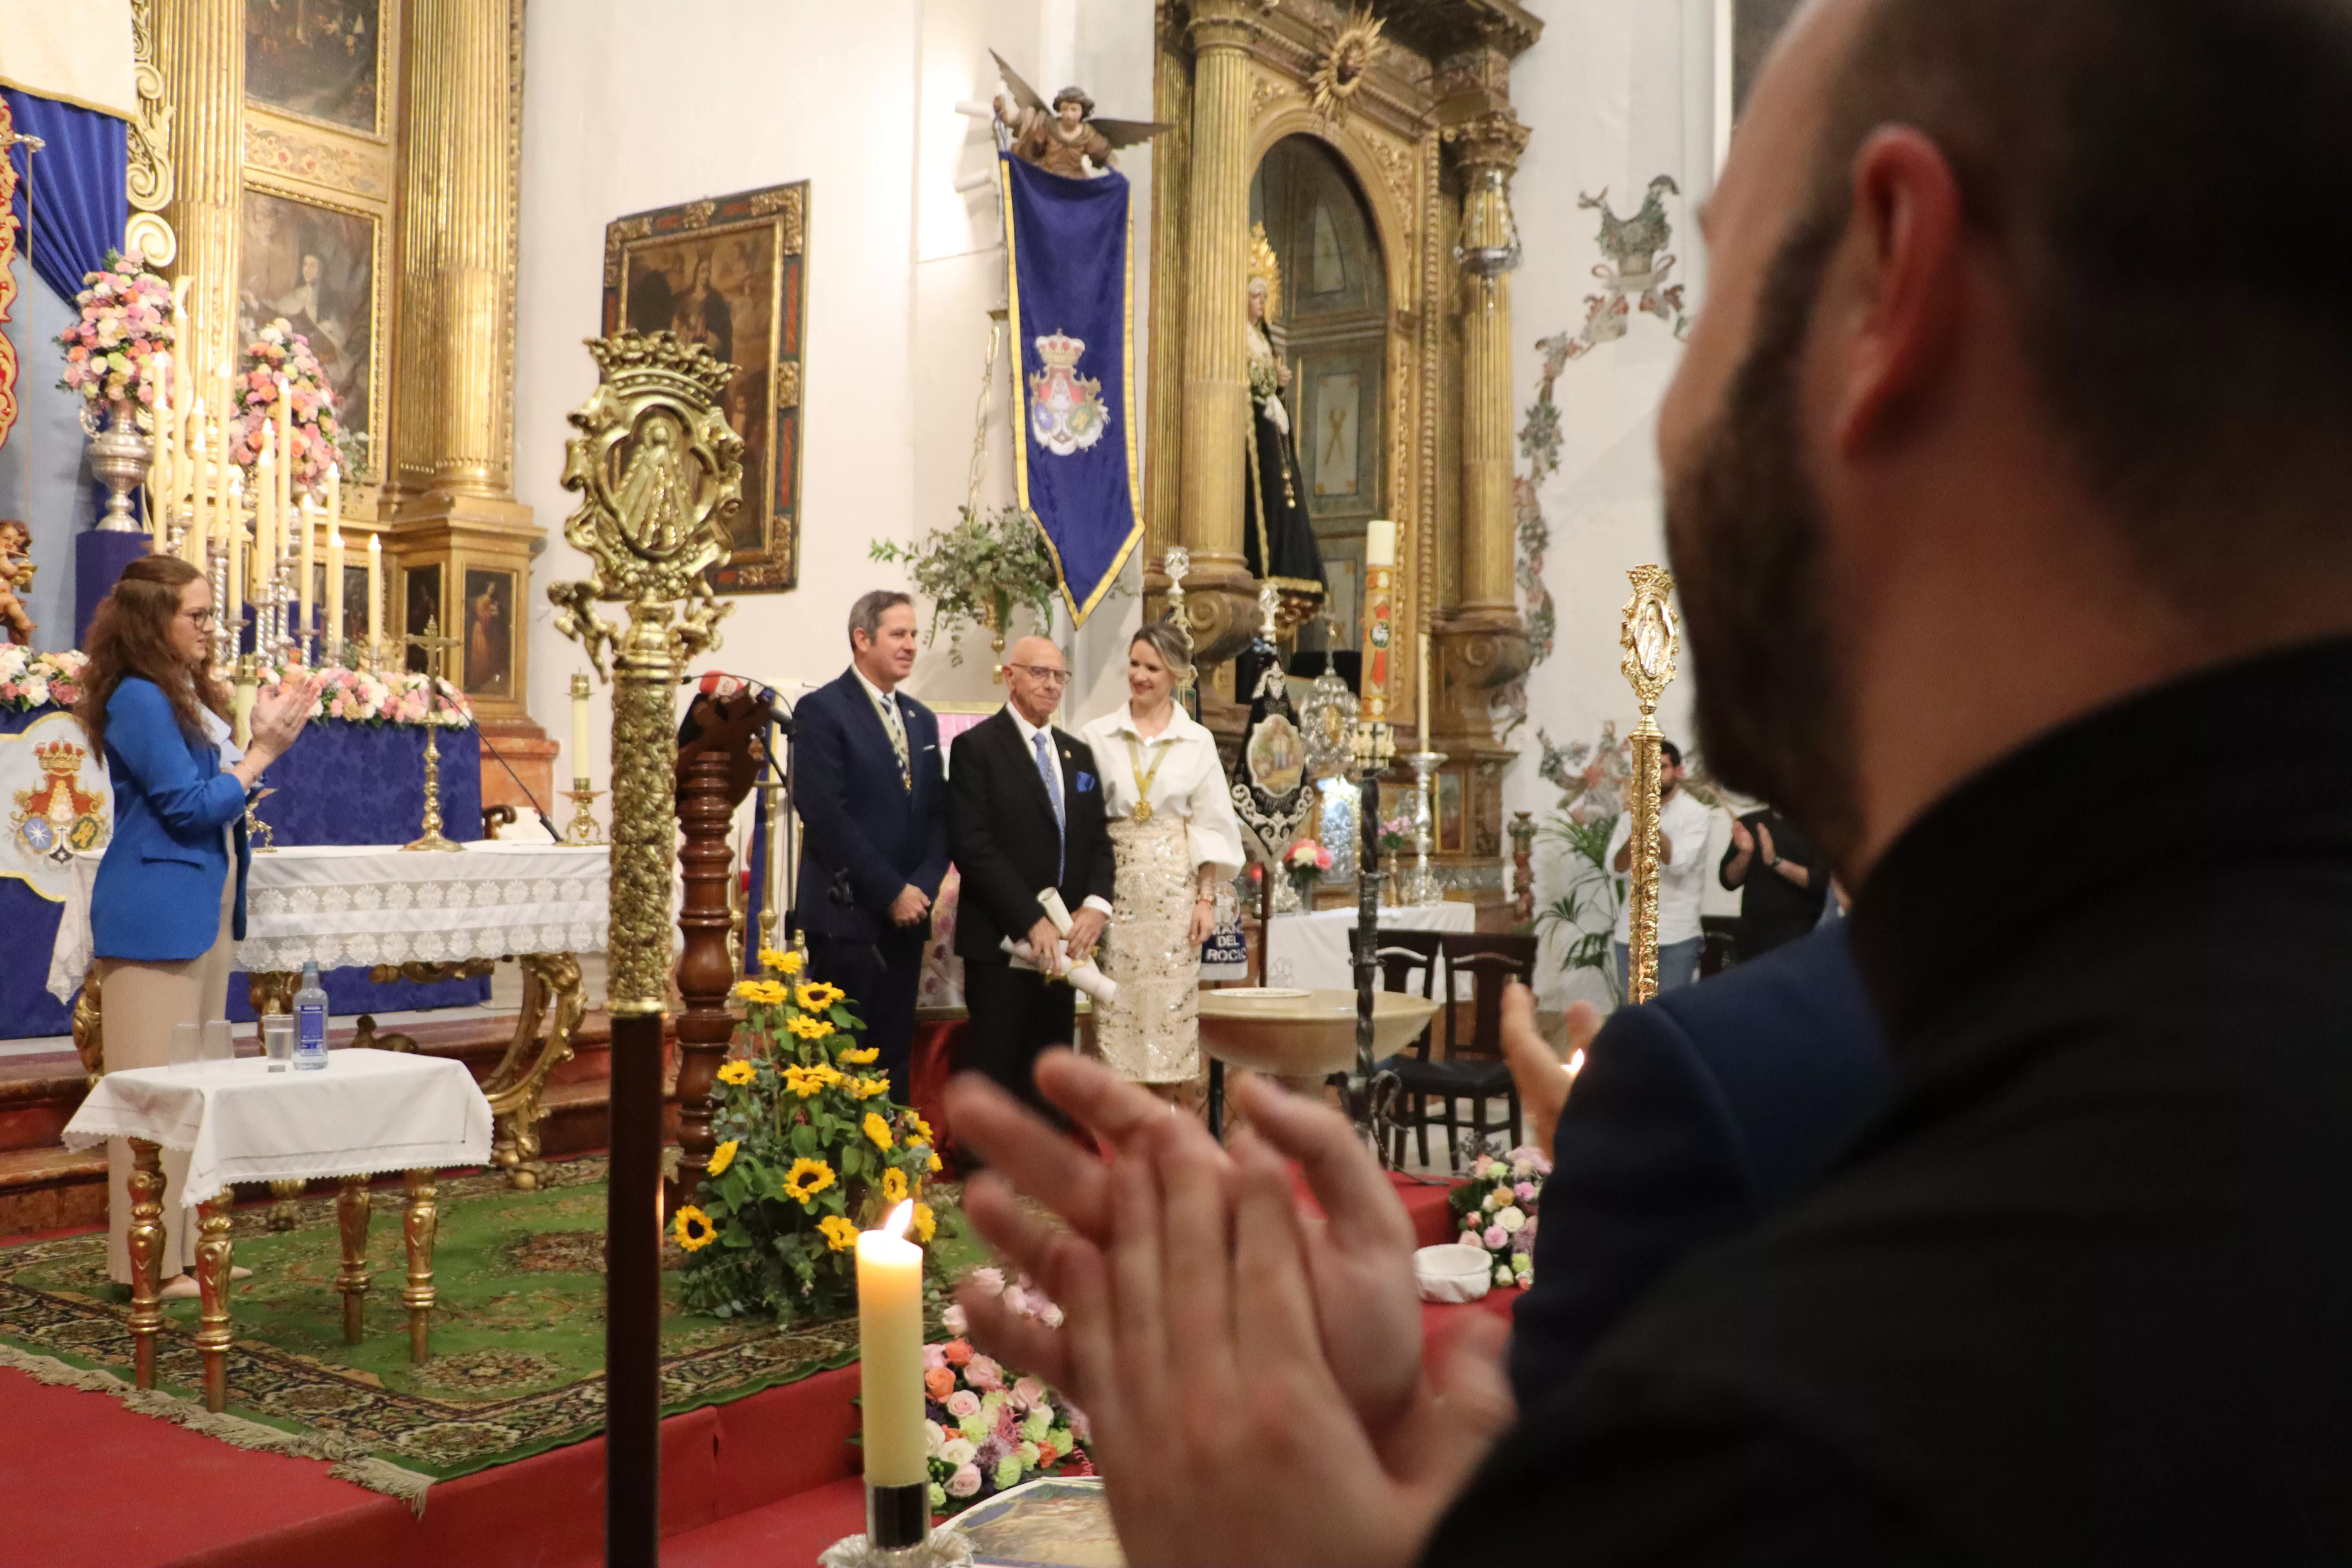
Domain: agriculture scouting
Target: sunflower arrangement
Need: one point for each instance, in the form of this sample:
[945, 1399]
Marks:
[811, 1151]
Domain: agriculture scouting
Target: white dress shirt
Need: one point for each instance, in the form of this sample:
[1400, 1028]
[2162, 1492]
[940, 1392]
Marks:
[1681, 882]
[1029, 733]
[1188, 782]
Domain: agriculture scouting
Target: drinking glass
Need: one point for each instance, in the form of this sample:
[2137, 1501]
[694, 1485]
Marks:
[278, 1039]
[187, 1041]
[220, 1044]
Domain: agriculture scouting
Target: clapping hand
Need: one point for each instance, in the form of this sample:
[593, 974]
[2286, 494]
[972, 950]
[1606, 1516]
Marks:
[1536, 1072]
[1764, 843]
[1742, 839]
[279, 712]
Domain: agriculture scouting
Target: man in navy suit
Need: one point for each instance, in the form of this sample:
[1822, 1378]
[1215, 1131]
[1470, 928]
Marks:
[1693, 1116]
[873, 798]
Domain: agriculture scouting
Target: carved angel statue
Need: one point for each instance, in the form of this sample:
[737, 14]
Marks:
[1065, 138]
[16, 570]
[655, 498]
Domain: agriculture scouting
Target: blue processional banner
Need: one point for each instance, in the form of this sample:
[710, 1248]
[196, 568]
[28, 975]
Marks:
[1068, 246]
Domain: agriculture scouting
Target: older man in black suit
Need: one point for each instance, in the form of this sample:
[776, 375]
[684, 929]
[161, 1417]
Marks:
[870, 792]
[1026, 814]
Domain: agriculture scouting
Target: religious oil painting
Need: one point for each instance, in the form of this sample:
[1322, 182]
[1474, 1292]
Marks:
[1453, 836]
[421, 588]
[731, 274]
[316, 267]
[488, 632]
[1338, 410]
[354, 630]
[322, 59]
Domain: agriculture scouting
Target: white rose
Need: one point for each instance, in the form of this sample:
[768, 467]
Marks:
[935, 1437]
[958, 1451]
[1511, 1217]
[1502, 1276]
[1493, 1200]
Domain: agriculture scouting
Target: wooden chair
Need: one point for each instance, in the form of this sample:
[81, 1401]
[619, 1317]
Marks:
[1402, 953]
[1472, 1069]
[1724, 935]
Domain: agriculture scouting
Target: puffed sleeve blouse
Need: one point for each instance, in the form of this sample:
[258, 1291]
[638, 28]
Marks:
[1188, 782]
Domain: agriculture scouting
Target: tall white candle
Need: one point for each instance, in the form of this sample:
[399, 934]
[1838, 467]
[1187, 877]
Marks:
[1380, 542]
[304, 591]
[159, 477]
[200, 494]
[580, 730]
[376, 594]
[265, 518]
[235, 535]
[1428, 715]
[334, 587]
[890, 1352]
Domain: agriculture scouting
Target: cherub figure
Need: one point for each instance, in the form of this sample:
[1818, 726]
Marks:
[16, 570]
[1065, 138]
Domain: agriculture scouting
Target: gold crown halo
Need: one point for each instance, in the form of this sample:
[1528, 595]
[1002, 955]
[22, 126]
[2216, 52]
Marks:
[633, 361]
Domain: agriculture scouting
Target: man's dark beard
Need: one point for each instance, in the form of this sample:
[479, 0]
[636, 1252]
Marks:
[1744, 532]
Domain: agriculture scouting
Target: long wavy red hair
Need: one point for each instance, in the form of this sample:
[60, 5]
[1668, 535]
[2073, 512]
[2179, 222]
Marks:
[132, 634]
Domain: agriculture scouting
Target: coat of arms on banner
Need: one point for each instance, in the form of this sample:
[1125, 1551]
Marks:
[1065, 408]
[57, 802]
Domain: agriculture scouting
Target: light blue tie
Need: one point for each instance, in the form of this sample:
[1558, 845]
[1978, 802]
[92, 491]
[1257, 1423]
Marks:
[1053, 777]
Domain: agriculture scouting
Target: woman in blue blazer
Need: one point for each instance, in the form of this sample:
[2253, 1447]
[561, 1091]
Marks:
[166, 912]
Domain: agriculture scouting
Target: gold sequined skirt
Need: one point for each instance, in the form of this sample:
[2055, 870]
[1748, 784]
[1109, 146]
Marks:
[1153, 1034]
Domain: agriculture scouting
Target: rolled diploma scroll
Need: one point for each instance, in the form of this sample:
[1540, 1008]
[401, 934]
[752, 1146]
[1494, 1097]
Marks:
[1085, 976]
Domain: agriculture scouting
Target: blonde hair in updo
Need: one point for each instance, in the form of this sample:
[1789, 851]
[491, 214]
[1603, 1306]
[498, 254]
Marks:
[1165, 639]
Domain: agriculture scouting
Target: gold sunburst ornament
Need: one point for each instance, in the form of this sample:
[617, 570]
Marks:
[1355, 48]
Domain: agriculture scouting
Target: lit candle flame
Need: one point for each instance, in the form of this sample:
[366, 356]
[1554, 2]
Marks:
[901, 1220]
[1576, 1064]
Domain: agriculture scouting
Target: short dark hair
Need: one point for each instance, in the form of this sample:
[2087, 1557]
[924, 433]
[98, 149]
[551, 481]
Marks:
[865, 616]
[1671, 752]
[1086, 105]
[2123, 157]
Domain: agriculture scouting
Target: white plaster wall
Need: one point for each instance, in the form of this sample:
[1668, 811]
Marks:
[1615, 92]
[859, 99]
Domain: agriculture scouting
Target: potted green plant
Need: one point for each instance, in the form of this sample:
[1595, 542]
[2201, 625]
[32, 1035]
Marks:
[978, 572]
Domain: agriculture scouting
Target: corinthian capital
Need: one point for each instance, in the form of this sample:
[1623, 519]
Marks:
[1491, 141]
[1225, 24]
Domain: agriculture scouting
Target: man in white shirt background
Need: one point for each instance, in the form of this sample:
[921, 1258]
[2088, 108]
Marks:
[1683, 825]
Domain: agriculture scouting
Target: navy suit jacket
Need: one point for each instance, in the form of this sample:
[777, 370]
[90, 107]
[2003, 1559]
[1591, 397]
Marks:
[860, 817]
[1693, 1117]
[158, 893]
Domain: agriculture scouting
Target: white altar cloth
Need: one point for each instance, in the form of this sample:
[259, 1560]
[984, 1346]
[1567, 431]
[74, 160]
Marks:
[364, 1112]
[1317, 951]
[360, 904]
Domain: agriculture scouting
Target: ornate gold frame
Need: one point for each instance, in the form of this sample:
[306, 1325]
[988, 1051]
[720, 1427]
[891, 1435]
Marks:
[380, 346]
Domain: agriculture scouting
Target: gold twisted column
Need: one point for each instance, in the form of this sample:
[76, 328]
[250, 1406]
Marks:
[1649, 637]
[146, 1258]
[418, 1226]
[354, 1206]
[659, 474]
[201, 53]
[1214, 481]
[211, 1288]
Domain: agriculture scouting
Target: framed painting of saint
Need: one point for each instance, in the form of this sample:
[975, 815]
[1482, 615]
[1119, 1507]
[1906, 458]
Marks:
[317, 268]
[731, 275]
[319, 59]
[488, 632]
[421, 611]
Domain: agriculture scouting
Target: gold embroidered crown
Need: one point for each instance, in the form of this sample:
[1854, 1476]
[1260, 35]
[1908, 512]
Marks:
[634, 361]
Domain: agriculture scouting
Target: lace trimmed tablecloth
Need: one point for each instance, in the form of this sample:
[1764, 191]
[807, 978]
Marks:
[1318, 951]
[351, 905]
[364, 1112]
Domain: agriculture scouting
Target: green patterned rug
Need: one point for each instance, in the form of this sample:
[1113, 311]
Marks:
[517, 1336]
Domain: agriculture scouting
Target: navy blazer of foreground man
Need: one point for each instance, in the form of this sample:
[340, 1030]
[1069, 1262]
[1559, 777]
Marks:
[1693, 1119]
[158, 893]
[866, 832]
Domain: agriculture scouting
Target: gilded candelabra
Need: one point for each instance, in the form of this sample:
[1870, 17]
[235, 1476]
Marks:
[437, 649]
[658, 475]
[1421, 887]
[1649, 639]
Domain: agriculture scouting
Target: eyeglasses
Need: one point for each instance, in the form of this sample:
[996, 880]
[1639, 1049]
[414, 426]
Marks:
[1043, 674]
[202, 618]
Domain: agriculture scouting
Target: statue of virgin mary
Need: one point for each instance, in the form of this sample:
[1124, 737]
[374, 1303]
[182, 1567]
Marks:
[1279, 538]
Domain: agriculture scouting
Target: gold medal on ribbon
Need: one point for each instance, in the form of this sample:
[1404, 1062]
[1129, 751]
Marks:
[1143, 779]
[1143, 811]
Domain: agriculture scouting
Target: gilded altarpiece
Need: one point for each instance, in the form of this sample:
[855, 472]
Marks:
[1412, 99]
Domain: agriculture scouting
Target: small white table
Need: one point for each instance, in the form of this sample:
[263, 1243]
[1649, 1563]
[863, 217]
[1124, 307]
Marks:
[367, 1112]
[1317, 951]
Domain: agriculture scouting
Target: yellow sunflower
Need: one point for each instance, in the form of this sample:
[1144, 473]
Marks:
[925, 1225]
[877, 1129]
[776, 958]
[723, 1156]
[867, 1087]
[807, 1081]
[920, 1129]
[788, 964]
[806, 1179]
[839, 1234]
[894, 1186]
[694, 1228]
[860, 1058]
[808, 1028]
[816, 996]
[738, 1073]
[933, 1165]
[768, 993]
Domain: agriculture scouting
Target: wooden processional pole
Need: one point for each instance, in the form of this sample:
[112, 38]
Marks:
[1649, 637]
[658, 472]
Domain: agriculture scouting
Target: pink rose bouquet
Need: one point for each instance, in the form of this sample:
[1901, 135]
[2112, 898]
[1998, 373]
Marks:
[30, 680]
[125, 321]
[990, 1427]
[1497, 1210]
[279, 351]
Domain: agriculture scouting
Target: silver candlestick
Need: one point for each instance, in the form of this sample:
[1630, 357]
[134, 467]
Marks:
[1421, 887]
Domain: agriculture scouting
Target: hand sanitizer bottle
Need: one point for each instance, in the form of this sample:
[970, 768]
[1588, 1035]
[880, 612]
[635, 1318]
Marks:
[310, 1015]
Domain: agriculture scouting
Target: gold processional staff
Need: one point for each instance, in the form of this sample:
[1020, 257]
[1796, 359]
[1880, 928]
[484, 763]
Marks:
[1649, 637]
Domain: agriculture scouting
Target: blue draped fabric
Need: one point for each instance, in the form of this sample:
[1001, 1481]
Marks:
[99, 558]
[81, 201]
[344, 784]
[1066, 245]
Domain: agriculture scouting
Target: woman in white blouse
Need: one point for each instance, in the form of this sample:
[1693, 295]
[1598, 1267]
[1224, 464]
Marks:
[1173, 824]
